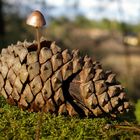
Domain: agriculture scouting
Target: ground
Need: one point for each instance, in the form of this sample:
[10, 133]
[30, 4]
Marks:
[16, 124]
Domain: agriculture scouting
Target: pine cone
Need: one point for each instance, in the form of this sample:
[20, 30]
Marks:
[59, 82]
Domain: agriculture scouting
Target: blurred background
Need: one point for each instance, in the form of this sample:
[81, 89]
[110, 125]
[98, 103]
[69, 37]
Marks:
[106, 30]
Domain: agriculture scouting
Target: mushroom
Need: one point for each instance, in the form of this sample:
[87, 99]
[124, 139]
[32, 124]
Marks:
[37, 20]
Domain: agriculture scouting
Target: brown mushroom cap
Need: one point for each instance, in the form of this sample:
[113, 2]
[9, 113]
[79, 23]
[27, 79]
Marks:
[36, 19]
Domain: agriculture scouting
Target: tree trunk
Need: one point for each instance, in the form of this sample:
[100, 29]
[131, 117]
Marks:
[2, 29]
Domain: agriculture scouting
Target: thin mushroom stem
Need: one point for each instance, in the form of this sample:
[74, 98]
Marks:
[38, 39]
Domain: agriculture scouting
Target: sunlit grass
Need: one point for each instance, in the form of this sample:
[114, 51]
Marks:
[137, 111]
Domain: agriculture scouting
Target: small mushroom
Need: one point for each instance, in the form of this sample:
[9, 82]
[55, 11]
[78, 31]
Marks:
[37, 20]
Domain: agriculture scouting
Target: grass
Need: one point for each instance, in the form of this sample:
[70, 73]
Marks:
[16, 124]
[137, 111]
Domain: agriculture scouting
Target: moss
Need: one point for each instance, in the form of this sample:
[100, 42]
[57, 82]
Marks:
[17, 124]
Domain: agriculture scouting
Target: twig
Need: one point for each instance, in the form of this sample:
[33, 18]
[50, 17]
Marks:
[128, 127]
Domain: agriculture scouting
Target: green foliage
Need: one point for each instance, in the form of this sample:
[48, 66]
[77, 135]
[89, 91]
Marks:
[137, 111]
[83, 22]
[16, 124]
